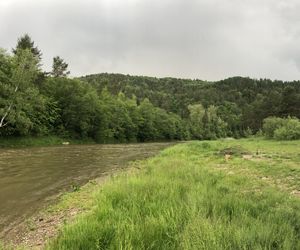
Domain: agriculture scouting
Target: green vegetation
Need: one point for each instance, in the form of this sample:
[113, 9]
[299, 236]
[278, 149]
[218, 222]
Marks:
[282, 128]
[190, 197]
[122, 108]
[35, 103]
[240, 103]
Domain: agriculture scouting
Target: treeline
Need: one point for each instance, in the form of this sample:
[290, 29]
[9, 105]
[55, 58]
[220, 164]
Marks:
[122, 108]
[242, 103]
[82, 112]
[36, 103]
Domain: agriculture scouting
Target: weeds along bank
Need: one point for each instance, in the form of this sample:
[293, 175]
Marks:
[191, 197]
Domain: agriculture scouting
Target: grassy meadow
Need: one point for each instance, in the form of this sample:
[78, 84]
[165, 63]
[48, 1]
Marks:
[191, 196]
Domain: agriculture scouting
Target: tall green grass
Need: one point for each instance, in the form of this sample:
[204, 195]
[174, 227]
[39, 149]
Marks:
[178, 201]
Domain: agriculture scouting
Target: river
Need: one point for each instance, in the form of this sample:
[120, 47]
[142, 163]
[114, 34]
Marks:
[31, 178]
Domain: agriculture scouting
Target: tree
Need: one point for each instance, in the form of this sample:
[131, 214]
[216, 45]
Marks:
[197, 113]
[147, 129]
[80, 110]
[216, 127]
[24, 43]
[59, 67]
[230, 113]
[290, 102]
[22, 74]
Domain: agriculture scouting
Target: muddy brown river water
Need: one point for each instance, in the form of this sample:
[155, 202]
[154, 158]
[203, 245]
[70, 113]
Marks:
[31, 178]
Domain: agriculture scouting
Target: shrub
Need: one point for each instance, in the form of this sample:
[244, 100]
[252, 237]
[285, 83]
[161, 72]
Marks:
[259, 133]
[248, 132]
[290, 131]
[270, 124]
[282, 128]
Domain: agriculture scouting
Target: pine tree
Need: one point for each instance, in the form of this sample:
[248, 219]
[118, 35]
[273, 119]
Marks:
[25, 42]
[59, 67]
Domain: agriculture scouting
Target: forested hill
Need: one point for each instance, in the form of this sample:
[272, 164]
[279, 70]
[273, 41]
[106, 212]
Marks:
[241, 102]
[122, 108]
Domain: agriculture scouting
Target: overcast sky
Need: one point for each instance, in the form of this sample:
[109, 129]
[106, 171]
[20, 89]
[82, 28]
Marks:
[205, 39]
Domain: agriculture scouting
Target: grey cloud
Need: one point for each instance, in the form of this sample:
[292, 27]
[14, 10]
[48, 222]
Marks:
[207, 39]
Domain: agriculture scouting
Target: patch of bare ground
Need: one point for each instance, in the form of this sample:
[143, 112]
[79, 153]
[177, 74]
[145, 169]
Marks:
[36, 231]
[41, 229]
[296, 193]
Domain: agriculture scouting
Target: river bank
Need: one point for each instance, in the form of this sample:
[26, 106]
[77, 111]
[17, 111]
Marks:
[23, 142]
[44, 141]
[191, 196]
[38, 229]
[34, 177]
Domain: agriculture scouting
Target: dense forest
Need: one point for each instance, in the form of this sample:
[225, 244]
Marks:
[122, 108]
[239, 104]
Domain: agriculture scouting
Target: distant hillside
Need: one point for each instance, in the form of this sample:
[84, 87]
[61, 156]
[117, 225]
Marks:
[122, 108]
[243, 102]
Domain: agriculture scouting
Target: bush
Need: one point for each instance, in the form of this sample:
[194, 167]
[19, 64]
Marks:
[248, 132]
[259, 133]
[290, 131]
[282, 128]
[270, 124]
